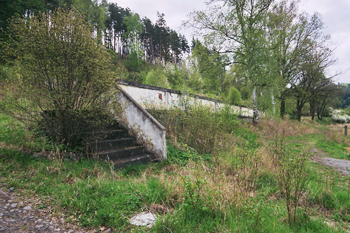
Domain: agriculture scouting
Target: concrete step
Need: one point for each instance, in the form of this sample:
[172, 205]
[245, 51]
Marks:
[120, 154]
[112, 144]
[113, 126]
[139, 159]
[110, 134]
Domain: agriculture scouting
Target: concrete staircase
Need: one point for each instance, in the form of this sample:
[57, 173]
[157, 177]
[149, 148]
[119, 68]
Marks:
[115, 145]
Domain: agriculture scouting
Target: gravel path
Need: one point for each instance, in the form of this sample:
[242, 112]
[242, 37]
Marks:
[338, 164]
[22, 216]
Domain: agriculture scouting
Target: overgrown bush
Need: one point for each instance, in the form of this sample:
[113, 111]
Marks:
[291, 174]
[197, 126]
[234, 96]
[70, 128]
[133, 63]
[60, 67]
[157, 78]
[269, 127]
[7, 74]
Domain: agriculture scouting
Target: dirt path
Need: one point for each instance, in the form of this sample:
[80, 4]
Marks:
[321, 157]
[340, 165]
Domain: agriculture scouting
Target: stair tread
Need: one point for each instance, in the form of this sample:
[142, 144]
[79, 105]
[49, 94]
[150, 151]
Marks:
[119, 149]
[115, 144]
[132, 158]
[113, 140]
[106, 132]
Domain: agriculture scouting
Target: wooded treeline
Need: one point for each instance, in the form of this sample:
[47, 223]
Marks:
[116, 27]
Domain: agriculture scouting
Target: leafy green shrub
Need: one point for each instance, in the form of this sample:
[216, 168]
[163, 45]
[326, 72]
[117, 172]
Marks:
[234, 96]
[7, 73]
[133, 62]
[324, 121]
[157, 78]
[182, 157]
[193, 195]
[291, 174]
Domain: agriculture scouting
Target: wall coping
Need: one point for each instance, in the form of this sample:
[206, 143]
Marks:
[142, 109]
[144, 86]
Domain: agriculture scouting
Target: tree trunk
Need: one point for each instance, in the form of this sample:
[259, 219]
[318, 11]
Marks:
[312, 113]
[114, 41]
[152, 51]
[321, 109]
[255, 109]
[319, 116]
[299, 108]
[273, 104]
[283, 107]
[312, 109]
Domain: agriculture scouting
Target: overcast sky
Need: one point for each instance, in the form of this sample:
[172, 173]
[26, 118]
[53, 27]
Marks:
[335, 15]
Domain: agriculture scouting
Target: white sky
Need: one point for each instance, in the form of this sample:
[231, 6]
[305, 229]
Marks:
[335, 15]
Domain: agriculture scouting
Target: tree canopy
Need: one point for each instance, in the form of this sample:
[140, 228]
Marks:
[277, 50]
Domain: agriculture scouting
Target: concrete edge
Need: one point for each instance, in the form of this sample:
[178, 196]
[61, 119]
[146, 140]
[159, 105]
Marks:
[142, 109]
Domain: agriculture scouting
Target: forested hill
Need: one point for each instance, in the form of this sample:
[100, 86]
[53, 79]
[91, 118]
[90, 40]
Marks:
[117, 28]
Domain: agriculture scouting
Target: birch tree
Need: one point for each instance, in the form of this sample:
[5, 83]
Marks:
[239, 26]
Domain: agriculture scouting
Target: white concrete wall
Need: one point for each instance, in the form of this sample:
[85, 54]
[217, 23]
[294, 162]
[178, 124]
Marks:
[164, 99]
[147, 130]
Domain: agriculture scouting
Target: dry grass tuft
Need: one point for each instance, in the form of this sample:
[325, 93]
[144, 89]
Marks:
[53, 170]
[337, 136]
[160, 209]
[269, 128]
[220, 186]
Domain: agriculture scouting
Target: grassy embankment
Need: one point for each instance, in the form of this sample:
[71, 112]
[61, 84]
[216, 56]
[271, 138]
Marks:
[230, 186]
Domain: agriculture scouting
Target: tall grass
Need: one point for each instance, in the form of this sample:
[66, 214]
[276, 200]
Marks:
[197, 127]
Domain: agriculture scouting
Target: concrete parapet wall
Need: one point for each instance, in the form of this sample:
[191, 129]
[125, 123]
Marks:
[147, 130]
[162, 98]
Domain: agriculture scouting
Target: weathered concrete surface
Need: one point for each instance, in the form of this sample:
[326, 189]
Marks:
[340, 165]
[140, 124]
